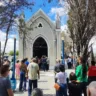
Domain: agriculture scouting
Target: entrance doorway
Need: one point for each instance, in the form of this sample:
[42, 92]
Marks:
[40, 48]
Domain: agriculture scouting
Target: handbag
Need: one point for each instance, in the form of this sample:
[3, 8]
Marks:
[56, 86]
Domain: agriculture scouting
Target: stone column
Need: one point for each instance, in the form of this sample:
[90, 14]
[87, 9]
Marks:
[58, 32]
[20, 47]
[29, 50]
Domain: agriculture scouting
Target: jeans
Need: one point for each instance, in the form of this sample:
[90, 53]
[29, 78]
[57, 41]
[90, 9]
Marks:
[69, 65]
[62, 91]
[84, 88]
[22, 80]
[32, 83]
[44, 66]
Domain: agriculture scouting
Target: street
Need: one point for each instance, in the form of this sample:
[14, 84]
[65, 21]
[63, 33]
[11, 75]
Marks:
[45, 83]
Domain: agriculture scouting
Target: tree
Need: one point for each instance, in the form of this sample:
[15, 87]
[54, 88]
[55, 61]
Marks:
[8, 14]
[23, 28]
[17, 53]
[67, 42]
[11, 53]
[81, 24]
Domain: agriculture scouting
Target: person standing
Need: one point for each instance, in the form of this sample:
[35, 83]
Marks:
[47, 59]
[92, 72]
[5, 85]
[33, 75]
[61, 79]
[44, 63]
[17, 65]
[69, 62]
[26, 61]
[81, 74]
[74, 87]
[23, 73]
[56, 68]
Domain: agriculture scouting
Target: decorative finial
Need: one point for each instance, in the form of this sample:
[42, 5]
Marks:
[58, 21]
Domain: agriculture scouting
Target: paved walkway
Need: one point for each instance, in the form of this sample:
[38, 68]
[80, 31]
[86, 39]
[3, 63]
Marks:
[45, 83]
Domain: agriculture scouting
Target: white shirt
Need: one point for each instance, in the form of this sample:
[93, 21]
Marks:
[32, 71]
[69, 60]
[61, 77]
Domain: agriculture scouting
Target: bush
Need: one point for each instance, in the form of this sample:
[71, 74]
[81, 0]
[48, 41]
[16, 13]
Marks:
[11, 53]
[17, 53]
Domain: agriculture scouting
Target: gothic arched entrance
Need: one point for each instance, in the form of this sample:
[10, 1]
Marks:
[40, 47]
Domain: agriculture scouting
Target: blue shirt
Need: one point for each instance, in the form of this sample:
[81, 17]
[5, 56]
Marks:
[27, 63]
[4, 86]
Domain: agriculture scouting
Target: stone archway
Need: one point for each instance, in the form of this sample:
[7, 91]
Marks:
[40, 47]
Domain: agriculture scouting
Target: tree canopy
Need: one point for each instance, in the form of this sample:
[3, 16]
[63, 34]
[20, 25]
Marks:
[81, 23]
[9, 12]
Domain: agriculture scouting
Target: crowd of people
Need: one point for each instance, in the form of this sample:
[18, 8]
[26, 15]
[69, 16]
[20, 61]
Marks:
[78, 82]
[25, 71]
[82, 81]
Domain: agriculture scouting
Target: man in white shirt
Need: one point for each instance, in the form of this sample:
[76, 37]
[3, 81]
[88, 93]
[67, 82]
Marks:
[69, 61]
[33, 75]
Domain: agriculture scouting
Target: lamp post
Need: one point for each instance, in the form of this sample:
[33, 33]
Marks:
[63, 61]
[13, 80]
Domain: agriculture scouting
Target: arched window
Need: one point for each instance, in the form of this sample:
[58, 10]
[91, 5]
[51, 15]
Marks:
[40, 25]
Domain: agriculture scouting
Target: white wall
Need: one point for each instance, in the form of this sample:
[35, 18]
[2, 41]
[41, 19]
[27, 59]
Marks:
[45, 32]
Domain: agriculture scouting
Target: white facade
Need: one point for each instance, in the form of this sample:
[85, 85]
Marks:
[49, 31]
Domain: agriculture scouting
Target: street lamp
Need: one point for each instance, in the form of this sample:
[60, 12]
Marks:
[63, 61]
[13, 80]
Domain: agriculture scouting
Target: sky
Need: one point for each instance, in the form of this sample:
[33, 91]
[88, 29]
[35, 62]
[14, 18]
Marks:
[50, 9]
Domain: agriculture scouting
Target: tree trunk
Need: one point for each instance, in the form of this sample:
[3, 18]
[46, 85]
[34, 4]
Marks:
[23, 48]
[7, 32]
[78, 50]
[5, 44]
[85, 53]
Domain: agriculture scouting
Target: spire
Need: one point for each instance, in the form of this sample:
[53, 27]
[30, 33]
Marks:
[58, 21]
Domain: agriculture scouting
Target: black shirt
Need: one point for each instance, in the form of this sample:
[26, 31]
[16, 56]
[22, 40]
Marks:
[75, 89]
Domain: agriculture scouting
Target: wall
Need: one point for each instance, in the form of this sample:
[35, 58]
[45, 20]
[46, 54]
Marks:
[45, 32]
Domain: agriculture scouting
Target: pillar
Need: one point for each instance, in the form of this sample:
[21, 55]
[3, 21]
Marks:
[20, 47]
[58, 32]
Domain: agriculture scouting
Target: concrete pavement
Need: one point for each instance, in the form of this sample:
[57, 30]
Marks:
[45, 83]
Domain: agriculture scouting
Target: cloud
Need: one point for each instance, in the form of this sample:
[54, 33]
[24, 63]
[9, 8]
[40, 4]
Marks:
[10, 43]
[62, 10]
[2, 36]
[59, 10]
[64, 28]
